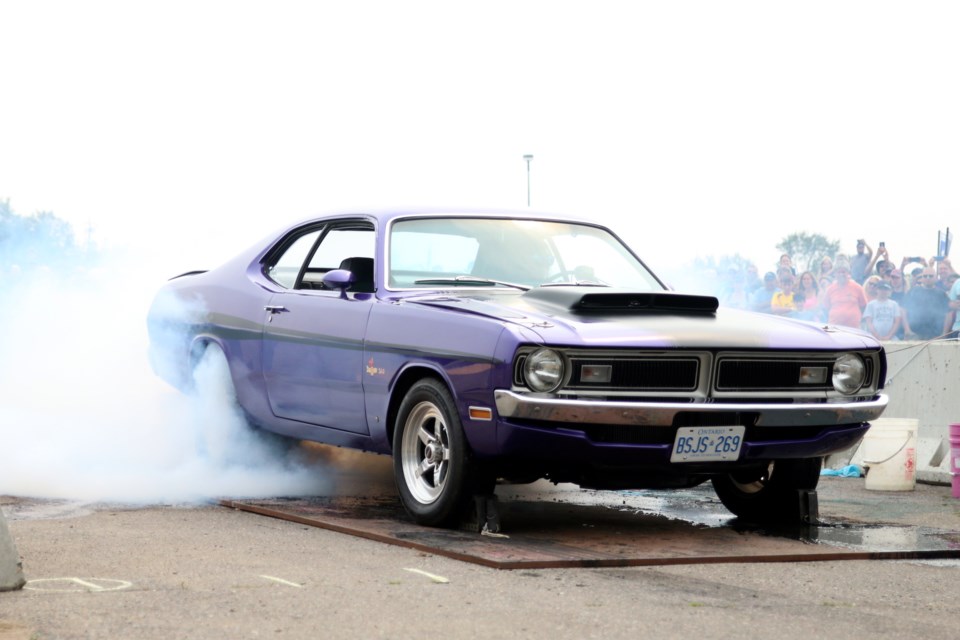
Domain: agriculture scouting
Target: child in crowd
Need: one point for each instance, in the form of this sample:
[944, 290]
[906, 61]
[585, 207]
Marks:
[783, 302]
[882, 316]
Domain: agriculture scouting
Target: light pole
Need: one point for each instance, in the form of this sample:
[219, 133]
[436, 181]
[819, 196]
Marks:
[528, 158]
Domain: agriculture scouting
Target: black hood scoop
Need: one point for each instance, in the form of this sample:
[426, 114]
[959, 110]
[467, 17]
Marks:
[574, 299]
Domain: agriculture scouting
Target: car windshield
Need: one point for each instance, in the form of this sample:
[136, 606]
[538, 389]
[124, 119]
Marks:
[488, 252]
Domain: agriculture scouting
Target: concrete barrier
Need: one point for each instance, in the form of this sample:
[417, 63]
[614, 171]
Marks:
[11, 571]
[923, 382]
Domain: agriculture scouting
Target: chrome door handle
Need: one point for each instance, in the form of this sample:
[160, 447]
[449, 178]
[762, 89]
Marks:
[274, 308]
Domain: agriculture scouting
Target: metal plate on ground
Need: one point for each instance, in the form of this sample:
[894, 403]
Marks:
[613, 532]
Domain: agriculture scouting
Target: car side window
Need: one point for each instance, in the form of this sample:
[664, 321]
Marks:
[303, 260]
[286, 268]
[338, 245]
[347, 247]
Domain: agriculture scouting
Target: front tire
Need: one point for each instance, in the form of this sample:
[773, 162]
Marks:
[430, 457]
[770, 494]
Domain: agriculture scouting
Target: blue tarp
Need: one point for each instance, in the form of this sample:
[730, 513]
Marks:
[849, 471]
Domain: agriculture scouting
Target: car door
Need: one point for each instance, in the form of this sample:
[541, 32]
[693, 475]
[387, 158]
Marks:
[313, 338]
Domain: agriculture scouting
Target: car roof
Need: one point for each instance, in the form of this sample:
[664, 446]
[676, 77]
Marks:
[383, 216]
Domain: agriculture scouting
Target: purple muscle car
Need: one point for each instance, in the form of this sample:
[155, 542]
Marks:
[477, 347]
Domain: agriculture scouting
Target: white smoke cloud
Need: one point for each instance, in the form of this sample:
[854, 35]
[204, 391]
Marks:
[83, 417]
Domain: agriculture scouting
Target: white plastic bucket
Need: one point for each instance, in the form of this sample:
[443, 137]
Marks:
[889, 453]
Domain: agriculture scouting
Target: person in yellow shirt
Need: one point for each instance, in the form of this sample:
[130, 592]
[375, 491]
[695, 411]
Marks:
[784, 301]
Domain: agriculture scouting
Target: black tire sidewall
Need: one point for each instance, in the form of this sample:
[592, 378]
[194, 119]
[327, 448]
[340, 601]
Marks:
[446, 508]
[778, 499]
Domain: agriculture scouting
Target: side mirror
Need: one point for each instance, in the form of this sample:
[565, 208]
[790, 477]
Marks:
[340, 279]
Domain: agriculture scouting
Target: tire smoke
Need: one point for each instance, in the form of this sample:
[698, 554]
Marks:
[83, 417]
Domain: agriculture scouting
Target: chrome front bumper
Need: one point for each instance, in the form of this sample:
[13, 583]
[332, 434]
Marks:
[512, 405]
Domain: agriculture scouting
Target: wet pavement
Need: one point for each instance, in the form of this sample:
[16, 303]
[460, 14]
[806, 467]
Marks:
[546, 526]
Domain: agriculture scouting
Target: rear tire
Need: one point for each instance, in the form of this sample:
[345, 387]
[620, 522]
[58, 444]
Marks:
[220, 411]
[770, 494]
[210, 373]
[432, 468]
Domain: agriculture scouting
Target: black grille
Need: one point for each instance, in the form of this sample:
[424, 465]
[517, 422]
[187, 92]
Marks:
[668, 374]
[770, 375]
[723, 377]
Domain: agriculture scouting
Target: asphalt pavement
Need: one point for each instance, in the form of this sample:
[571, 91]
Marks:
[169, 571]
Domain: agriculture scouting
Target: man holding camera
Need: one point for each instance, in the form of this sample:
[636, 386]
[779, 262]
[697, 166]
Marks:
[861, 263]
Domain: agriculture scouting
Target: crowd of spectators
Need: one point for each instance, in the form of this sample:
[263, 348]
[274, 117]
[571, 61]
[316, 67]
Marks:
[917, 300]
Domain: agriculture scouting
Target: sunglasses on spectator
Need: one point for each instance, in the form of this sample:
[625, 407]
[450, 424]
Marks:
[925, 276]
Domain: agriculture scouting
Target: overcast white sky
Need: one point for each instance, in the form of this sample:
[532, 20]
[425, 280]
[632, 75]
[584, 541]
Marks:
[694, 128]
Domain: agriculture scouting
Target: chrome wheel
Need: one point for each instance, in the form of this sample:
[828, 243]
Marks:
[430, 461]
[425, 452]
[752, 486]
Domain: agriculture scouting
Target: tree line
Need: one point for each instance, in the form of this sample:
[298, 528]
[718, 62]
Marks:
[38, 240]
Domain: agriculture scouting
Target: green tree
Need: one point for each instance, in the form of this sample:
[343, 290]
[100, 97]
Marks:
[806, 249]
[42, 239]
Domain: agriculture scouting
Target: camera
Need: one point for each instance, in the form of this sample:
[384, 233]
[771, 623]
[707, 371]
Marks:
[883, 245]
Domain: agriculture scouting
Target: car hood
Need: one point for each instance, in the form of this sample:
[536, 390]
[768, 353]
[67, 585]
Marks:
[600, 317]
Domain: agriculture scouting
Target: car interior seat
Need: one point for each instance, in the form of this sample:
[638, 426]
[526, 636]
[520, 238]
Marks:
[362, 270]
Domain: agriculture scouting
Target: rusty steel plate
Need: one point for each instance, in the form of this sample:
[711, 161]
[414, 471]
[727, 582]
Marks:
[611, 532]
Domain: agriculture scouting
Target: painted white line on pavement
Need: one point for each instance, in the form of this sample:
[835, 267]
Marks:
[282, 581]
[435, 578]
[76, 585]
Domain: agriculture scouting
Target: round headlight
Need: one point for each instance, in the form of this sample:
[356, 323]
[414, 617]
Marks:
[849, 373]
[543, 370]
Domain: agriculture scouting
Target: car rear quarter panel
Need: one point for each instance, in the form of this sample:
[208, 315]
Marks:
[220, 306]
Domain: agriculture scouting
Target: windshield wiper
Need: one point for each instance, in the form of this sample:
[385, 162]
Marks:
[472, 281]
[577, 283]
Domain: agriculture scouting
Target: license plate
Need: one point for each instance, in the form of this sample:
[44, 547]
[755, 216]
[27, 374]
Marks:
[707, 444]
